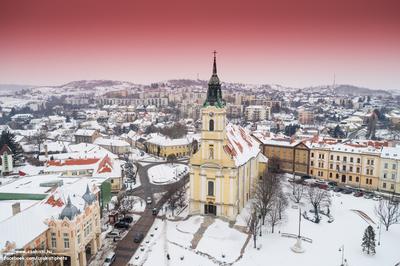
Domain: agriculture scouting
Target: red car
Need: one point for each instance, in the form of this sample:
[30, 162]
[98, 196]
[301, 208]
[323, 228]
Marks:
[358, 194]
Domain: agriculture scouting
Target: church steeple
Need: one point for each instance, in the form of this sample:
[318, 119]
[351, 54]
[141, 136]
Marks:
[214, 94]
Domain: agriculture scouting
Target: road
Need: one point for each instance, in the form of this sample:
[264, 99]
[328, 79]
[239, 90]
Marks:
[126, 248]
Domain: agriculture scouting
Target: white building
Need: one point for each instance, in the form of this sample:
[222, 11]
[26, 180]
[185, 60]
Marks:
[6, 157]
[389, 169]
[257, 113]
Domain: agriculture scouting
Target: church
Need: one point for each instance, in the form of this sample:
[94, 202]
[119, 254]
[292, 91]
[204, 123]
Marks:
[227, 166]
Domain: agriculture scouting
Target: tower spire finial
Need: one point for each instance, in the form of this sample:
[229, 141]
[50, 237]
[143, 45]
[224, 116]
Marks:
[215, 63]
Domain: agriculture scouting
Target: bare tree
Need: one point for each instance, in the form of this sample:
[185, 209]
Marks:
[265, 191]
[178, 193]
[253, 221]
[388, 212]
[273, 214]
[282, 202]
[317, 198]
[297, 192]
[38, 139]
[181, 196]
[118, 201]
[127, 204]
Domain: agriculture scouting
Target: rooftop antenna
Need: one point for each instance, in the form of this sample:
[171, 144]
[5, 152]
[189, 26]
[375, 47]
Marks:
[334, 81]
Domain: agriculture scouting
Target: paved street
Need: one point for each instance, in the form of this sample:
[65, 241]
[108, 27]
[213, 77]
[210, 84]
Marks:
[126, 247]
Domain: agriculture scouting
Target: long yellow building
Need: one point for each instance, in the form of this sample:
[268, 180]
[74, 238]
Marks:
[353, 164]
[226, 168]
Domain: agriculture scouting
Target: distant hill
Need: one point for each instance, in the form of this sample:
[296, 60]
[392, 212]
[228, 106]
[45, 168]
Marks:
[91, 84]
[101, 85]
[359, 91]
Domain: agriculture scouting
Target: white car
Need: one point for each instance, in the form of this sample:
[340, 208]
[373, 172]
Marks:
[109, 259]
[149, 200]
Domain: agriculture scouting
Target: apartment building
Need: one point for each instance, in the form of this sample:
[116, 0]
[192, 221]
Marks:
[257, 113]
[390, 170]
[353, 164]
[285, 154]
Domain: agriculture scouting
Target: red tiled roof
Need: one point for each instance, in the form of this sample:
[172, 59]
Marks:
[73, 162]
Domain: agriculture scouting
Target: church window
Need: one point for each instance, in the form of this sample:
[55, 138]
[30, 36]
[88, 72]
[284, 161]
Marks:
[210, 188]
[211, 125]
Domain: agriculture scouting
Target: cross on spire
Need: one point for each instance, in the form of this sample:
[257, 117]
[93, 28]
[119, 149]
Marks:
[215, 63]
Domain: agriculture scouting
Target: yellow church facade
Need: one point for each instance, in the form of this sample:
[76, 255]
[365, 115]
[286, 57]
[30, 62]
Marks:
[229, 163]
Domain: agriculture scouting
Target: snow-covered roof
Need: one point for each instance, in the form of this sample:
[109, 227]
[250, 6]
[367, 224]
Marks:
[391, 152]
[268, 138]
[111, 142]
[85, 132]
[162, 140]
[25, 226]
[241, 145]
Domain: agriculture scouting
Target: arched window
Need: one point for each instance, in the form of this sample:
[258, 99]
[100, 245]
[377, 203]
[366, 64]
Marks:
[211, 125]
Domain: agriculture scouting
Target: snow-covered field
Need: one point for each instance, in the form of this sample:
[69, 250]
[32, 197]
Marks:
[222, 243]
[173, 238]
[347, 229]
[167, 173]
[228, 240]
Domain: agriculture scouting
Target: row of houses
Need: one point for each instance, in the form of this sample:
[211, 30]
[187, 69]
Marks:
[154, 143]
[371, 165]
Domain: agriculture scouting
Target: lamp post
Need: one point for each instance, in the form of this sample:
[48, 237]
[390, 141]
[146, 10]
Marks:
[379, 238]
[341, 249]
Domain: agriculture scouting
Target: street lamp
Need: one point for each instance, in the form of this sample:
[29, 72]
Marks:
[379, 238]
[341, 249]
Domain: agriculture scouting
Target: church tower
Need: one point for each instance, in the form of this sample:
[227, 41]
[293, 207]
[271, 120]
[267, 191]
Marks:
[223, 171]
[213, 116]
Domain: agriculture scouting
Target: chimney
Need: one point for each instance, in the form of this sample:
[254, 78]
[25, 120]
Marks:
[16, 208]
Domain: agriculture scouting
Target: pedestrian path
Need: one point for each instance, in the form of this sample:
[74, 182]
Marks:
[208, 220]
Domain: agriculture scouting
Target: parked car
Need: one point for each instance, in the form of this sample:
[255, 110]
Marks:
[368, 196]
[138, 237]
[305, 177]
[127, 219]
[358, 194]
[323, 186]
[346, 191]
[377, 197]
[337, 189]
[149, 200]
[332, 183]
[155, 211]
[113, 234]
[109, 259]
[121, 225]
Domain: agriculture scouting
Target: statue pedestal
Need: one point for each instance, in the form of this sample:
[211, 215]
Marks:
[298, 248]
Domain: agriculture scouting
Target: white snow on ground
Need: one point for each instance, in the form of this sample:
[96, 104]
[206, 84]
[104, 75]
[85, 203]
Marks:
[155, 251]
[139, 205]
[220, 240]
[182, 232]
[167, 173]
[348, 229]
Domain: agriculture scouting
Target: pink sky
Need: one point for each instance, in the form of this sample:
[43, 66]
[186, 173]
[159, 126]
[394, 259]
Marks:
[293, 43]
